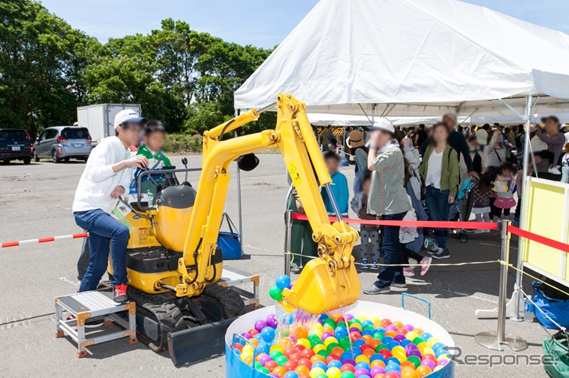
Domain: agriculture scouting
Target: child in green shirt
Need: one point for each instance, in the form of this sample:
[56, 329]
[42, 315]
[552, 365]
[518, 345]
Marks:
[154, 135]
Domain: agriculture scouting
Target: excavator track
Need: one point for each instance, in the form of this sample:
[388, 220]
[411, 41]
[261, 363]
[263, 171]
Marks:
[161, 308]
[230, 300]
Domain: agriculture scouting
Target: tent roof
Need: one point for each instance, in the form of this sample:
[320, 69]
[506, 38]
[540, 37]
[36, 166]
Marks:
[432, 56]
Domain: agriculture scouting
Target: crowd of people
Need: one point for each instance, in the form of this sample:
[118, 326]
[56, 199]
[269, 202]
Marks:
[417, 175]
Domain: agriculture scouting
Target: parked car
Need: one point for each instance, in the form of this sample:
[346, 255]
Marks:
[62, 143]
[15, 144]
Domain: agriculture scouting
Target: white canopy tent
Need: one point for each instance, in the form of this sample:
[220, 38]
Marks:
[414, 58]
[320, 119]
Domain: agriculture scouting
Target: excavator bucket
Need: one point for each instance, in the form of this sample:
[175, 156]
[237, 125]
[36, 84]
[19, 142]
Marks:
[317, 290]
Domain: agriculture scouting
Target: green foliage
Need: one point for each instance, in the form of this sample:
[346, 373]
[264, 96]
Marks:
[182, 142]
[180, 76]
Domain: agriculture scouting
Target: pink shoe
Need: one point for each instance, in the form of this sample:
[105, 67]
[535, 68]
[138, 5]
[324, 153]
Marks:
[425, 265]
[408, 272]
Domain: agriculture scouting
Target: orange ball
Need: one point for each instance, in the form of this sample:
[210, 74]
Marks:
[418, 331]
[367, 338]
[375, 342]
[285, 343]
[338, 351]
[302, 370]
[391, 333]
[407, 364]
[398, 324]
[378, 363]
[335, 317]
[423, 371]
[301, 333]
[409, 373]
[317, 357]
[248, 360]
[325, 329]
[280, 371]
[254, 341]
[368, 352]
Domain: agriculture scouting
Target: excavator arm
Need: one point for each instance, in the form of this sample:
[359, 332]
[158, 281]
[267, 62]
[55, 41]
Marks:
[327, 282]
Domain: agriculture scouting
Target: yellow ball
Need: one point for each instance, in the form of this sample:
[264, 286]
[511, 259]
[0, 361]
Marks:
[356, 325]
[333, 373]
[247, 349]
[374, 319]
[411, 335]
[422, 347]
[316, 372]
[245, 356]
[437, 368]
[401, 357]
[428, 351]
[361, 318]
[362, 357]
[432, 341]
[443, 357]
[319, 327]
[330, 340]
[305, 343]
[275, 347]
[398, 349]
[318, 348]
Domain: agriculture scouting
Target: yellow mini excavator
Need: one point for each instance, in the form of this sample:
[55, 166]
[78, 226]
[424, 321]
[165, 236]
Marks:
[173, 260]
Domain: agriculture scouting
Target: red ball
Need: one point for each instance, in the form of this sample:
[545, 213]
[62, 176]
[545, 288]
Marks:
[348, 367]
[238, 346]
[271, 365]
[385, 353]
[304, 362]
[253, 332]
[295, 357]
[430, 357]
[304, 376]
[289, 365]
[307, 353]
[290, 351]
[366, 346]
[332, 357]
[386, 322]
[390, 375]
[402, 331]
[300, 347]
[341, 320]
[354, 336]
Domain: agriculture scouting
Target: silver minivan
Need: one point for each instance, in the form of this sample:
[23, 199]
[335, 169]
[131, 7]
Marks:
[60, 143]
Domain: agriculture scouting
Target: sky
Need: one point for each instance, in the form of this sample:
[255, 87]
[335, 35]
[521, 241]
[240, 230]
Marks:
[262, 23]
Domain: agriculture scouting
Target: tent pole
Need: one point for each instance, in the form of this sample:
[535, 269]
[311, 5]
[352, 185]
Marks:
[520, 263]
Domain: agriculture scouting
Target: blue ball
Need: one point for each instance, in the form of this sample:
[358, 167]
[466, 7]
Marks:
[358, 343]
[405, 342]
[387, 339]
[268, 334]
[335, 363]
[438, 346]
[347, 356]
[426, 336]
[393, 360]
[392, 367]
[258, 337]
[361, 365]
[283, 282]
[441, 351]
[377, 356]
[366, 323]
[319, 364]
[291, 374]
[368, 332]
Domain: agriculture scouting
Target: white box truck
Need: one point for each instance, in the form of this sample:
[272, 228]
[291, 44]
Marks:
[99, 118]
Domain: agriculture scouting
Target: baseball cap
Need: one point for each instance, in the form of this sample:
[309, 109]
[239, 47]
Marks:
[552, 117]
[382, 124]
[481, 137]
[128, 116]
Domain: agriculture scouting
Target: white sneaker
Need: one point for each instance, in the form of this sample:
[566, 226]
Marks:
[480, 231]
[434, 250]
[554, 171]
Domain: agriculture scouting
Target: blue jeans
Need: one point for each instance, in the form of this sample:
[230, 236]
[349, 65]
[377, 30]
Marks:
[393, 252]
[438, 206]
[103, 230]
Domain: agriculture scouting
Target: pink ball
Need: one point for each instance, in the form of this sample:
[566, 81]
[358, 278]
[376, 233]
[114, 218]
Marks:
[326, 335]
[391, 327]
[408, 327]
[428, 363]
[377, 370]
[442, 363]
[360, 372]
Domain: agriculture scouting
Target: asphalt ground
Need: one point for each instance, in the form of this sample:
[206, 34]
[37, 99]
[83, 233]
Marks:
[36, 202]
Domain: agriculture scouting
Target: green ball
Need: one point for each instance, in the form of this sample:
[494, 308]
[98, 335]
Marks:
[331, 346]
[324, 353]
[264, 370]
[418, 340]
[380, 347]
[276, 293]
[281, 360]
[347, 374]
[414, 360]
[276, 353]
[378, 336]
[321, 376]
[258, 365]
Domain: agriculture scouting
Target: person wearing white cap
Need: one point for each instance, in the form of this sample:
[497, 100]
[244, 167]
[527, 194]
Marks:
[105, 179]
[387, 199]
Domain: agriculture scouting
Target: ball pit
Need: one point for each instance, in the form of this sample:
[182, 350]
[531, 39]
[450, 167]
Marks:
[378, 341]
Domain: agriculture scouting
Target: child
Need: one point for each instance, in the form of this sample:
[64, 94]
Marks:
[369, 249]
[505, 188]
[151, 149]
[482, 195]
[339, 188]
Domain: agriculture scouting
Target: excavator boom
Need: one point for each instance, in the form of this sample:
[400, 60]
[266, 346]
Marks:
[327, 282]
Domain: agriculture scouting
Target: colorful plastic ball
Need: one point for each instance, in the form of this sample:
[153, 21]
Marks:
[290, 365]
[281, 360]
[276, 293]
[302, 370]
[359, 372]
[437, 368]
[272, 321]
[362, 365]
[320, 365]
[428, 363]
[423, 371]
[333, 372]
[283, 282]
[280, 371]
[268, 334]
[291, 374]
[390, 375]
[347, 374]
[376, 371]
[409, 373]
[271, 365]
[315, 372]
[260, 324]
[415, 360]
[273, 375]
[442, 363]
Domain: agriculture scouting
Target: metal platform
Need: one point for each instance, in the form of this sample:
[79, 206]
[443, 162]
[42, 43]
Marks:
[93, 305]
[232, 277]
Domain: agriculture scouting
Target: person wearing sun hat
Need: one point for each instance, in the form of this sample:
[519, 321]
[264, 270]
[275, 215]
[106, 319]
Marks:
[387, 199]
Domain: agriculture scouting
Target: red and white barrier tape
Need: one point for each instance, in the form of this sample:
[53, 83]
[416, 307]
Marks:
[430, 224]
[43, 240]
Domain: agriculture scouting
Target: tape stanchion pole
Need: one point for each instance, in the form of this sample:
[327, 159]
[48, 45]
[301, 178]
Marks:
[495, 340]
[288, 241]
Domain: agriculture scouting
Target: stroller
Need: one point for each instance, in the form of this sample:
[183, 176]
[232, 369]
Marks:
[455, 212]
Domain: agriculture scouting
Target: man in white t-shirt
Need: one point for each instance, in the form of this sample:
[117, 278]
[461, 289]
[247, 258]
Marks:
[106, 178]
